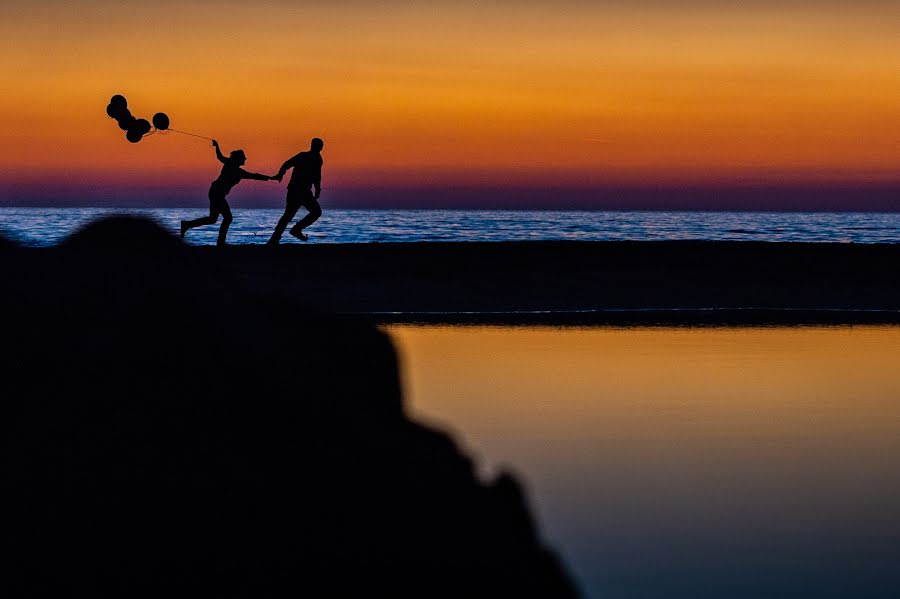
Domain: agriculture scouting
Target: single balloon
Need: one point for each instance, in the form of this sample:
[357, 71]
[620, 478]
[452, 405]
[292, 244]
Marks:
[126, 121]
[142, 125]
[116, 111]
[161, 121]
[134, 136]
[118, 100]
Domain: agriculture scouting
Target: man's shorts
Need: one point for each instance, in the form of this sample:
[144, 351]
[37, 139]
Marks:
[300, 197]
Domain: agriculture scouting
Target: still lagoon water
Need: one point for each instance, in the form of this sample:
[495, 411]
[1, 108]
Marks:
[713, 462]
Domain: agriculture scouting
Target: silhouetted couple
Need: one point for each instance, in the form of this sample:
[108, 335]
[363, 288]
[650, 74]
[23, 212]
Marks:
[307, 174]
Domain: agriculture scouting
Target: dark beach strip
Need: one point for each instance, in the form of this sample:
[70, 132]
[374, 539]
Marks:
[585, 283]
[668, 283]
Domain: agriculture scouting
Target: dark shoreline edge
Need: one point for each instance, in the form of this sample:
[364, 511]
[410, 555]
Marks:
[713, 317]
[573, 283]
[625, 283]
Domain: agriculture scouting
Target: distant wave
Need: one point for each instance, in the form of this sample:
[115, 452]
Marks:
[47, 226]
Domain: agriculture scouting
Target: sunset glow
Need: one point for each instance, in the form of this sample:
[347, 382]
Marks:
[455, 94]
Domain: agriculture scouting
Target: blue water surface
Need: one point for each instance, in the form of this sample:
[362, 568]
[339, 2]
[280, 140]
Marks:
[47, 226]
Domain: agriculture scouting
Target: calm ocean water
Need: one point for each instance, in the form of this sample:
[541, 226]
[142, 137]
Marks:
[47, 226]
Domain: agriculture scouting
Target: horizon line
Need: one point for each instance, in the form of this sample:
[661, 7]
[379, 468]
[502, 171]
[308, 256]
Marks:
[871, 198]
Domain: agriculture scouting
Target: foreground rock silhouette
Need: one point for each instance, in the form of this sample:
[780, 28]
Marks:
[167, 431]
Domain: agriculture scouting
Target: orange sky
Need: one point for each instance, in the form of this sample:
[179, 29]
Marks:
[430, 94]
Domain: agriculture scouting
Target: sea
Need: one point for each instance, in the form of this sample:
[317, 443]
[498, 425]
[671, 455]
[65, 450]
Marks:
[48, 226]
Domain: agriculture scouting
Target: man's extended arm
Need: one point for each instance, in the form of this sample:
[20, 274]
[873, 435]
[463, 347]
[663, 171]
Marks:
[284, 167]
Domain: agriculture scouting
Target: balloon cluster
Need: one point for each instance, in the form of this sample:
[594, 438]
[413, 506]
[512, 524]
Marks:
[135, 129]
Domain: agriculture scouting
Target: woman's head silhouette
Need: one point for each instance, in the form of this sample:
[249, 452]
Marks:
[238, 157]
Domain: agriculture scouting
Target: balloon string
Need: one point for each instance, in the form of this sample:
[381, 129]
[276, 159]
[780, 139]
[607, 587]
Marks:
[191, 134]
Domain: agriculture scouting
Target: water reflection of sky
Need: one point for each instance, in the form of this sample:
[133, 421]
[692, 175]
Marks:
[686, 462]
[45, 226]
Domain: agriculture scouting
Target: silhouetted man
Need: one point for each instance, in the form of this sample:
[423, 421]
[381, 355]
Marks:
[231, 175]
[307, 173]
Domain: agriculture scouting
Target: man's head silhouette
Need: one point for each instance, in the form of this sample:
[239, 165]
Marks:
[317, 145]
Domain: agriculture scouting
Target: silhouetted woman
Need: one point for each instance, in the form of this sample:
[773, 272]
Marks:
[231, 175]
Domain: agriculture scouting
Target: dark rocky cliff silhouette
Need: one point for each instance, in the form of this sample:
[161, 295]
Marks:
[166, 430]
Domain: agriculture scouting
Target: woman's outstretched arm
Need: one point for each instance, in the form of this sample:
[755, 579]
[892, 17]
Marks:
[255, 176]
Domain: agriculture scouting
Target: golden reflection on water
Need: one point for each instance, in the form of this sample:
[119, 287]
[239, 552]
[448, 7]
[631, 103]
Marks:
[711, 444]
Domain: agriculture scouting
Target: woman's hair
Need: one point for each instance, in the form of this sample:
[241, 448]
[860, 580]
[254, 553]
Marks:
[238, 155]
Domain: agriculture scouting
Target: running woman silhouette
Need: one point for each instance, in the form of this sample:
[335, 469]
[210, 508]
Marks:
[231, 175]
[307, 173]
